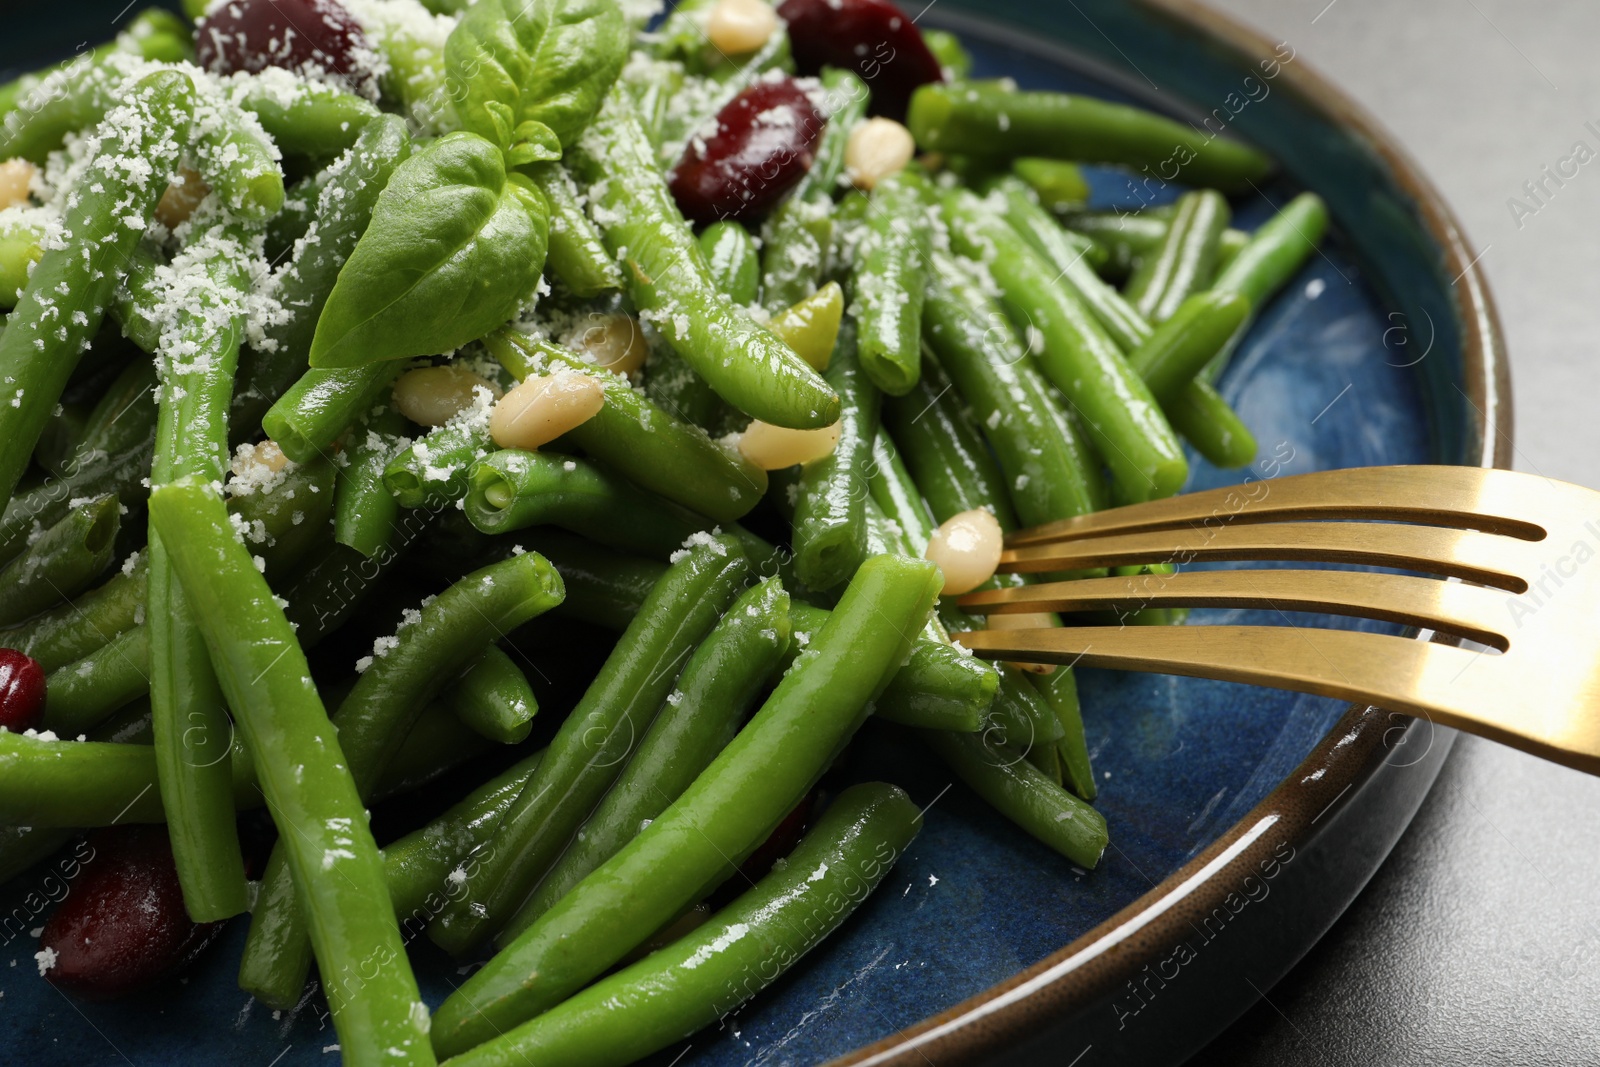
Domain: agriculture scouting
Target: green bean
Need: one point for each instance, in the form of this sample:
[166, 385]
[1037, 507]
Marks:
[1181, 346]
[323, 404]
[646, 445]
[990, 119]
[1019, 715]
[947, 457]
[85, 692]
[61, 436]
[405, 673]
[1068, 255]
[577, 256]
[1049, 471]
[204, 322]
[337, 869]
[1122, 417]
[1019, 792]
[62, 635]
[418, 865]
[811, 327]
[731, 77]
[701, 715]
[846, 97]
[294, 221]
[1060, 689]
[889, 281]
[1059, 185]
[830, 536]
[1276, 250]
[584, 759]
[748, 944]
[336, 580]
[1208, 423]
[952, 55]
[1129, 236]
[46, 334]
[438, 742]
[345, 194]
[1185, 260]
[731, 807]
[731, 254]
[493, 698]
[315, 119]
[238, 160]
[432, 470]
[285, 519]
[21, 246]
[63, 562]
[512, 490]
[795, 246]
[364, 509]
[669, 281]
[654, 83]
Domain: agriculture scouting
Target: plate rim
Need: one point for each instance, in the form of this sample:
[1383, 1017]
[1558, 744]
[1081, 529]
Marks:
[1094, 966]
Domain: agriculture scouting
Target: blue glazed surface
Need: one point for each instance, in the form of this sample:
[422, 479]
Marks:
[973, 902]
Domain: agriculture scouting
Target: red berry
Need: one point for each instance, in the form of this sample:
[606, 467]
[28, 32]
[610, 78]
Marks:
[871, 37]
[123, 924]
[317, 38]
[763, 142]
[21, 691]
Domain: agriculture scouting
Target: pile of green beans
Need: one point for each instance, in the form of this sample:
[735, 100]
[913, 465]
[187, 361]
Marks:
[206, 521]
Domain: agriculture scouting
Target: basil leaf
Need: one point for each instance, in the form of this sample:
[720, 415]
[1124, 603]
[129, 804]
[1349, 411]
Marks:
[548, 61]
[454, 248]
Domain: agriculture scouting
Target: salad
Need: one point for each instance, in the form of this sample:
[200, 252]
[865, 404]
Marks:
[364, 361]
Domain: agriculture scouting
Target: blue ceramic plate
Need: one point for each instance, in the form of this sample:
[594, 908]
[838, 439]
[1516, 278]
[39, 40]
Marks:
[1242, 820]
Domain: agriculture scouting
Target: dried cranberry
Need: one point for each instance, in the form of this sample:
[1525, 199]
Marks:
[21, 691]
[123, 924]
[317, 38]
[871, 37]
[764, 141]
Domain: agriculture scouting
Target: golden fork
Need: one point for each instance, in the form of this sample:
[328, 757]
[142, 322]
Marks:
[1512, 560]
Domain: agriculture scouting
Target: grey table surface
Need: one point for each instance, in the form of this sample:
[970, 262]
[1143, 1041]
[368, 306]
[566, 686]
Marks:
[1478, 942]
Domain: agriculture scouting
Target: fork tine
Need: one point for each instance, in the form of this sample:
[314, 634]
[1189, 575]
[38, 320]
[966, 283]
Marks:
[1473, 556]
[1465, 610]
[1458, 497]
[1396, 672]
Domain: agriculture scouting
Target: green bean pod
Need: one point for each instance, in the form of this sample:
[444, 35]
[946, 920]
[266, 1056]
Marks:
[585, 757]
[1186, 259]
[364, 510]
[1059, 185]
[889, 281]
[63, 562]
[316, 119]
[337, 868]
[739, 951]
[992, 119]
[345, 195]
[730, 808]
[1070, 257]
[239, 162]
[643, 443]
[1276, 250]
[432, 470]
[701, 715]
[1211, 425]
[845, 97]
[21, 246]
[1016, 789]
[511, 490]
[1049, 471]
[577, 255]
[795, 247]
[830, 536]
[1125, 421]
[1190, 338]
[668, 279]
[493, 698]
[197, 354]
[61, 635]
[84, 693]
[1060, 689]
[46, 334]
[735, 264]
[322, 404]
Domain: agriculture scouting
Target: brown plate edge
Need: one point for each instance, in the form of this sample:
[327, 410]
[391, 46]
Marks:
[1097, 965]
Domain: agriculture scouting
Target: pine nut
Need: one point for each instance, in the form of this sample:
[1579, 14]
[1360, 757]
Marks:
[184, 193]
[432, 396]
[15, 176]
[967, 549]
[738, 27]
[772, 448]
[877, 148]
[544, 407]
[614, 342]
[250, 460]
